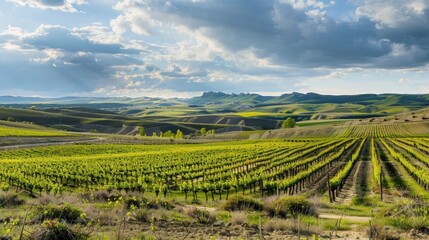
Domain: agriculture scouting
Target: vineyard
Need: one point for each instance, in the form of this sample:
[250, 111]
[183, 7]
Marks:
[386, 130]
[212, 170]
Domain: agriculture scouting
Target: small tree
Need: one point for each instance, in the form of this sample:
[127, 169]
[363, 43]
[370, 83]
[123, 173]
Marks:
[203, 131]
[142, 132]
[10, 119]
[154, 134]
[179, 134]
[168, 134]
[288, 123]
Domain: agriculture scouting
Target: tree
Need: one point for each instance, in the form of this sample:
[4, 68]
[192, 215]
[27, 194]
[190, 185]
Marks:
[288, 123]
[203, 131]
[168, 134]
[179, 134]
[154, 134]
[10, 119]
[142, 132]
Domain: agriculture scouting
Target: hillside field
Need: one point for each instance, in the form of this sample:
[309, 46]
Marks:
[350, 184]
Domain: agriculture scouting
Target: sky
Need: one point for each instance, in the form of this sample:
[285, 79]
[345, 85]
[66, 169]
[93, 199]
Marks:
[181, 48]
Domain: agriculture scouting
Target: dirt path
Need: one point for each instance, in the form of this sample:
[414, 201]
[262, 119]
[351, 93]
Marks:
[357, 184]
[350, 218]
[30, 145]
[393, 183]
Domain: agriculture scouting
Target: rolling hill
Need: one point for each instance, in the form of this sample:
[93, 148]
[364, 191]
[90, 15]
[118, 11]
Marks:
[212, 110]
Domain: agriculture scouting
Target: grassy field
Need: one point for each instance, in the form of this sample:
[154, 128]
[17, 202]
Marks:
[8, 129]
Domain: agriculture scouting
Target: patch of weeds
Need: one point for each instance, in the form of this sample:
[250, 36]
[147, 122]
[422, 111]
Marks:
[10, 200]
[202, 216]
[243, 203]
[290, 206]
[53, 230]
[65, 213]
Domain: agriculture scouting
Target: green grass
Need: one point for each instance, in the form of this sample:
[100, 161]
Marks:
[353, 210]
[18, 132]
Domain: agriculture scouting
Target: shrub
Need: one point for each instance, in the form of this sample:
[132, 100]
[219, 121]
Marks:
[290, 205]
[242, 203]
[141, 215]
[202, 216]
[53, 230]
[5, 187]
[157, 204]
[10, 200]
[65, 213]
[132, 202]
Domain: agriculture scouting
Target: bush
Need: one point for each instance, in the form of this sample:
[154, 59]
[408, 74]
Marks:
[290, 205]
[5, 187]
[141, 215]
[157, 204]
[132, 202]
[65, 213]
[10, 200]
[53, 230]
[202, 216]
[242, 203]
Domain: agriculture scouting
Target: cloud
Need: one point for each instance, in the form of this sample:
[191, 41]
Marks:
[62, 58]
[185, 46]
[62, 38]
[404, 80]
[290, 32]
[60, 5]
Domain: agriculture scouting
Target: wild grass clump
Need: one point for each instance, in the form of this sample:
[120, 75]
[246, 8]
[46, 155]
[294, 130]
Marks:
[132, 203]
[405, 215]
[239, 218]
[53, 230]
[141, 215]
[243, 203]
[66, 213]
[290, 225]
[201, 215]
[290, 206]
[157, 204]
[10, 200]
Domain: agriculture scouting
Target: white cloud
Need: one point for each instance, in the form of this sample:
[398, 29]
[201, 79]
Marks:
[404, 80]
[392, 13]
[60, 5]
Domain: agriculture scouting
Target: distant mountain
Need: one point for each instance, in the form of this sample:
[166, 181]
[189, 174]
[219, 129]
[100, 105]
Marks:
[310, 98]
[96, 102]
[223, 98]
[227, 100]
